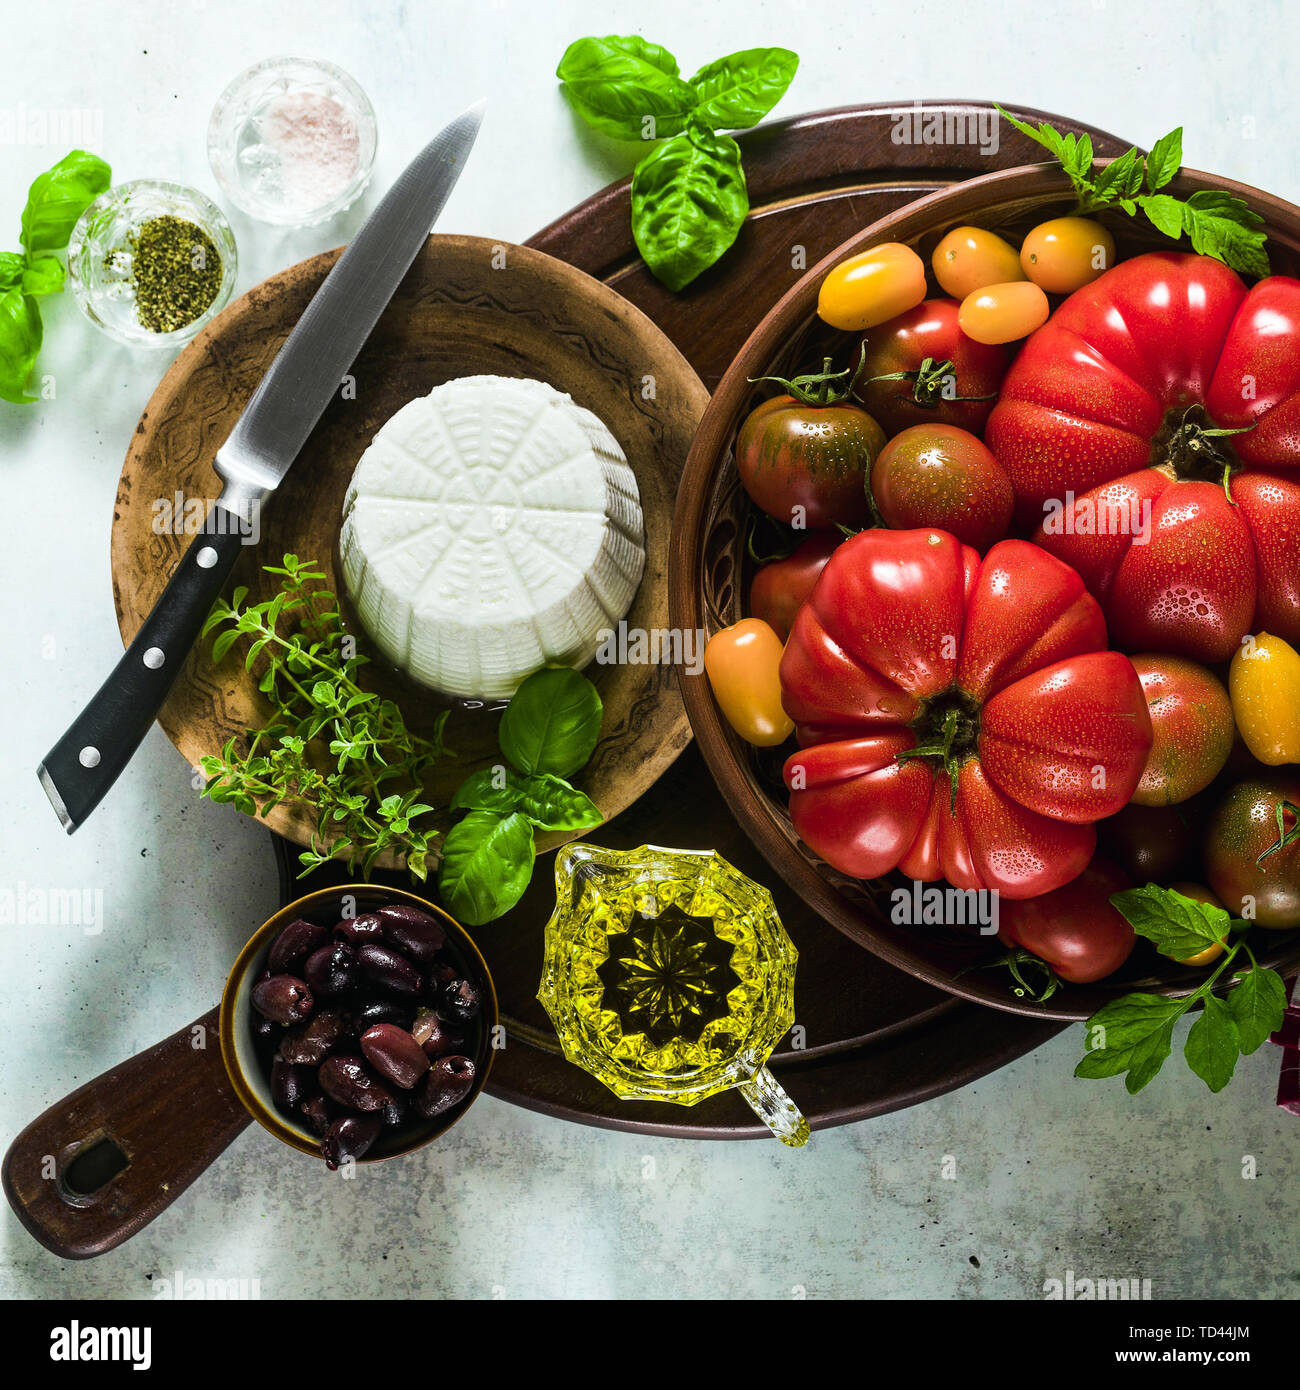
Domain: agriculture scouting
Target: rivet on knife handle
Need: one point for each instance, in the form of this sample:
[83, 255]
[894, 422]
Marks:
[87, 760]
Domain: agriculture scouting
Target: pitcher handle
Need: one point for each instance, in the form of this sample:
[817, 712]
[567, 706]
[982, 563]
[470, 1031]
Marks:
[769, 1101]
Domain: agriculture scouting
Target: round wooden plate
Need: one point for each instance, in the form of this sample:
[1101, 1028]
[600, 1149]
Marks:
[467, 306]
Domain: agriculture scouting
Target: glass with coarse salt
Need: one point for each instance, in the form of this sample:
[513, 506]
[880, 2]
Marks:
[292, 141]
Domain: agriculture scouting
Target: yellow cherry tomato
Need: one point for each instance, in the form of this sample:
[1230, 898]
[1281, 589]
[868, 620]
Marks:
[872, 287]
[1067, 253]
[1200, 894]
[743, 663]
[1264, 683]
[969, 258]
[1003, 313]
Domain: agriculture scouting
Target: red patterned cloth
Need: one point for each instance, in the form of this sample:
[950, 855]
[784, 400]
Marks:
[1287, 1038]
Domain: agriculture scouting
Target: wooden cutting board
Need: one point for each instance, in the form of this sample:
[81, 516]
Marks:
[871, 1039]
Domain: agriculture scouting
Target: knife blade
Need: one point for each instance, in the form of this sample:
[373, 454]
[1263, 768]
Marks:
[275, 424]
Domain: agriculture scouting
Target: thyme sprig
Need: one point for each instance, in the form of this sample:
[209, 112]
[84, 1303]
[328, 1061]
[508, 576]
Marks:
[331, 745]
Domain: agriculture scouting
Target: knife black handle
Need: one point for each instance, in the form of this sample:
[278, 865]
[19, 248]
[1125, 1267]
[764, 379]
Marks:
[88, 759]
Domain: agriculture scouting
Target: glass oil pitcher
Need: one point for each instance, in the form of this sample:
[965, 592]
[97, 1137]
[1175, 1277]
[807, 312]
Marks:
[668, 976]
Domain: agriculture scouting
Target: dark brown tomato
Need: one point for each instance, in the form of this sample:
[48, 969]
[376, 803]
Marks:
[806, 465]
[958, 367]
[1243, 828]
[1152, 844]
[1192, 728]
[780, 586]
[940, 476]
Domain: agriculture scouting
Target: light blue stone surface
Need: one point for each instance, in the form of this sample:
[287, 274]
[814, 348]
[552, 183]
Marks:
[1049, 1174]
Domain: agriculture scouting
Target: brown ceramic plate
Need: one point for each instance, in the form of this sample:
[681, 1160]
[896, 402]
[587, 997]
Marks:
[467, 306]
[709, 574]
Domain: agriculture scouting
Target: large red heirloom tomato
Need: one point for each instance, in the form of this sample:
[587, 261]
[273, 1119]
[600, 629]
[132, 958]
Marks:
[959, 718]
[1152, 427]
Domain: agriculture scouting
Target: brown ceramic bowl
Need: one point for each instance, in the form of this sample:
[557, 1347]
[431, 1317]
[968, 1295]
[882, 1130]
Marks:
[251, 1078]
[709, 575]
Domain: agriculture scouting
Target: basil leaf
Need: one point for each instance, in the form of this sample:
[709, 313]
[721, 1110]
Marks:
[1165, 159]
[1257, 1006]
[548, 802]
[552, 722]
[43, 275]
[20, 342]
[1178, 926]
[1212, 1045]
[12, 265]
[487, 862]
[1138, 1035]
[740, 89]
[626, 87]
[688, 203]
[59, 196]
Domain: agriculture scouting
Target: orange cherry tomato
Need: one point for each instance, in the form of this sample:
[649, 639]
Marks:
[969, 258]
[1200, 894]
[1264, 681]
[872, 287]
[1003, 313]
[1067, 253]
[743, 663]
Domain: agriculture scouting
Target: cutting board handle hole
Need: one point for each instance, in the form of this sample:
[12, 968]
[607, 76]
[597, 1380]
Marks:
[95, 1163]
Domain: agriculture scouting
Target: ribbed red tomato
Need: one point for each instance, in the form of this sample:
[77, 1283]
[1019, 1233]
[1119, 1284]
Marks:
[1152, 427]
[958, 719]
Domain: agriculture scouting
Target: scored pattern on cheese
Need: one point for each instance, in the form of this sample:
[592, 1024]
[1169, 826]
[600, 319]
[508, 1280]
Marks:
[491, 526]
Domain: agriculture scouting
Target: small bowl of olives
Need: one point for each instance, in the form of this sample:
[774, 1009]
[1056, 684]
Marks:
[358, 1023]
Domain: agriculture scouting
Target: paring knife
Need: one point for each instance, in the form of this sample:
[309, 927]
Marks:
[283, 411]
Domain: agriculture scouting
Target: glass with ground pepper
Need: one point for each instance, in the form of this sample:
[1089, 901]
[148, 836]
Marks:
[151, 262]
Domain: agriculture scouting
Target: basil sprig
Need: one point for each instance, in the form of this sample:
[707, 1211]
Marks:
[689, 198]
[344, 753]
[1217, 223]
[548, 731]
[1133, 1036]
[54, 203]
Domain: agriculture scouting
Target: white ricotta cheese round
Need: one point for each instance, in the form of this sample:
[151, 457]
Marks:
[492, 526]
